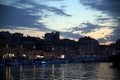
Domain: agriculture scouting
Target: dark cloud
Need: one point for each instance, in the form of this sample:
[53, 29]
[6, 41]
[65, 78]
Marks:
[85, 27]
[37, 7]
[109, 7]
[102, 40]
[11, 16]
[102, 20]
[53, 0]
[89, 27]
[116, 33]
[25, 13]
[70, 35]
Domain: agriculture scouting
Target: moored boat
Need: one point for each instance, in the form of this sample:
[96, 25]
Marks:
[115, 59]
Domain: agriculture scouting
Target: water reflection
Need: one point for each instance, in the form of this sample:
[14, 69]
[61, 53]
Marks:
[38, 72]
[21, 72]
[52, 71]
[7, 73]
[34, 75]
[74, 71]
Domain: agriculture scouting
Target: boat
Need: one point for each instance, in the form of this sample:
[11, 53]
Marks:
[115, 58]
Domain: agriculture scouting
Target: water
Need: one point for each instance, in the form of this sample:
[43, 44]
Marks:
[71, 71]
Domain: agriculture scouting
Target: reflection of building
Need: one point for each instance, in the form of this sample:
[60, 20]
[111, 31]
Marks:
[54, 36]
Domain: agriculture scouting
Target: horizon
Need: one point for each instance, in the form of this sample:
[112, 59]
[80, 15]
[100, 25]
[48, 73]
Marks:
[108, 43]
[98, 19]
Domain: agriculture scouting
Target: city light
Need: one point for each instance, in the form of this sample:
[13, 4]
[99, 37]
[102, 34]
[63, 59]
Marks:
[24, 55]
[10, 55]
[39, 56]
[62, 56]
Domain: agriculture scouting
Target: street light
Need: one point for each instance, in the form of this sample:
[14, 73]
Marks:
[62, 56]
[34, 47]
[7, 46]
[7, 50]
[21, 47]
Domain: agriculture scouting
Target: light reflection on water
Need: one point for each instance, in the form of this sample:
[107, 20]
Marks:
[72, 71]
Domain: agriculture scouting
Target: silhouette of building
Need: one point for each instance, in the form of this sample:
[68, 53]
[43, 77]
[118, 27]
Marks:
[18, 35]
[88, 45]
[54, 36]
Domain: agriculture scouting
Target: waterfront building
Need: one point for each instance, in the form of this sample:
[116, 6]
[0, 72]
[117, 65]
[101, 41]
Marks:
[88, 45]
[54, 36]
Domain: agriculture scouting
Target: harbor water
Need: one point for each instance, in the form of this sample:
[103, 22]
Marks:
[70, 71]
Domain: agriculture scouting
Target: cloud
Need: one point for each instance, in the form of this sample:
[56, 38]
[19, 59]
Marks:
[24, 18]
[116, 33]
[109, 7]
[85, 27]
[70, 35]
[102, 40]
[11, 16]
[89, 27]
[53, 0]
[23, 13]
[102, 19]
[36, 6]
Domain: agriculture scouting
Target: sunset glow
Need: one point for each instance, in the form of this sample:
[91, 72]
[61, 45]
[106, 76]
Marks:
[72, 18]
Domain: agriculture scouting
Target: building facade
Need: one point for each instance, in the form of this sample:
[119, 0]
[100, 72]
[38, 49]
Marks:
[54, 36]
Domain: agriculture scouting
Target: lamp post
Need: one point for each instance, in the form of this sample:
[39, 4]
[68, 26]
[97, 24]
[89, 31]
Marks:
[34, 47]
[7, 50]
[21, 47]
[1, 53]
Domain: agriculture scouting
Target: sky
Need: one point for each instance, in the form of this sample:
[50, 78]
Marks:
[99, 19]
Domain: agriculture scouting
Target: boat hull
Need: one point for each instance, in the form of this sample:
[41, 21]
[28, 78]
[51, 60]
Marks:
[115, 59]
